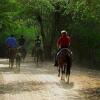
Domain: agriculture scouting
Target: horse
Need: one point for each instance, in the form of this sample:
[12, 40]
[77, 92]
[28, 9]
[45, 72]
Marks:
[37, 53]
[64, 59]
[18, 58]
[11, 56]
[23, 51]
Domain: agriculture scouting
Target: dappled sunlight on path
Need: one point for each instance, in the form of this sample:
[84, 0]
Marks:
[41, 82]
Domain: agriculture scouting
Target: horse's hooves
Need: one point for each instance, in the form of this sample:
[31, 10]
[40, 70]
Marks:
[67, 82]
[19, 70]
[61, 78]
[58, 75]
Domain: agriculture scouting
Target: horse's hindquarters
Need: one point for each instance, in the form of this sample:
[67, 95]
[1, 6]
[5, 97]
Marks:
[12, 54]
[64, 64]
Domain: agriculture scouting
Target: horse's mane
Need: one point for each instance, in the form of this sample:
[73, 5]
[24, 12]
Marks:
[64, 56]
[64, 50]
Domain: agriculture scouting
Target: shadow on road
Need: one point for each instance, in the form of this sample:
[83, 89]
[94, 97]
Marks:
[66, 85]
[5, 69]
[15, 87]
[91, 93]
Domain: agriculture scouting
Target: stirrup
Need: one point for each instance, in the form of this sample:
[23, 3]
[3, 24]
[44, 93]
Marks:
[55, 64]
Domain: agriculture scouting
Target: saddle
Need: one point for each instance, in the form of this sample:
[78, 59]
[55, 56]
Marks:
[65, 51]
[11, 52]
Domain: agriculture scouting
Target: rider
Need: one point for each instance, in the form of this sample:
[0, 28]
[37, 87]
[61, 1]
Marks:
[37, 42]
[62, 42]
[11, 42]
[21, 41]
[36, 45]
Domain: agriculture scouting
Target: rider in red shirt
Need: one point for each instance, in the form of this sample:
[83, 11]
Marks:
[62, 42]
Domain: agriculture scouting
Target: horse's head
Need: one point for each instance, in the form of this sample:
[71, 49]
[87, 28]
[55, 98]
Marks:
[64, 55]
[65, 52]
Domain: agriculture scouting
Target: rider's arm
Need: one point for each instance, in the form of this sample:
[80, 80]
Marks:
[40, 41]
[69, 39]
[7, 42]
[58, 43]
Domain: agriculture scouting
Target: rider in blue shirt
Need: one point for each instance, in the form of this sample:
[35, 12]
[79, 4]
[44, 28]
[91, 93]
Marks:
[11, 42]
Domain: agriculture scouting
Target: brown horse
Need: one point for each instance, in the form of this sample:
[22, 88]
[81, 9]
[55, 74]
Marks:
[64, 63]
[18, 58]
[22, 51]
[37, 53]
[11, 55]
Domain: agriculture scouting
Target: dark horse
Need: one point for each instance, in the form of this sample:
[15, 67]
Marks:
[64, 63]
[37, 53]
[23, 52]
[11, 56]
[18, 58]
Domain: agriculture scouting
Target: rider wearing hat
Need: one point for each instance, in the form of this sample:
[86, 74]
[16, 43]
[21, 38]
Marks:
[11, 44]
[38, 41]
[62, 42]
[11, 41]
[21, 41]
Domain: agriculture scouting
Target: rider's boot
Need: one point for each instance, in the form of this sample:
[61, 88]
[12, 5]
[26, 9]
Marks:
[56, 62]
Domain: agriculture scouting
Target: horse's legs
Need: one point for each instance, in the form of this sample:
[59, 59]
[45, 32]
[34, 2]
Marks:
[9, 62]
[68, 79]
[24, 55]
[34, 59]
[58, 71]
[37, 58]
[41, 56]
[18, 61]
[67, 73]
[61, 70]
[12, 63]
[19, 64]
[67, 69]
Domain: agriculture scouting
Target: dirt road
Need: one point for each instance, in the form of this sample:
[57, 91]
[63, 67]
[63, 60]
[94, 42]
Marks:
[40, 82]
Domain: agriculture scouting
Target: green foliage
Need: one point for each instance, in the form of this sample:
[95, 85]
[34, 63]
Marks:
[81, 18]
